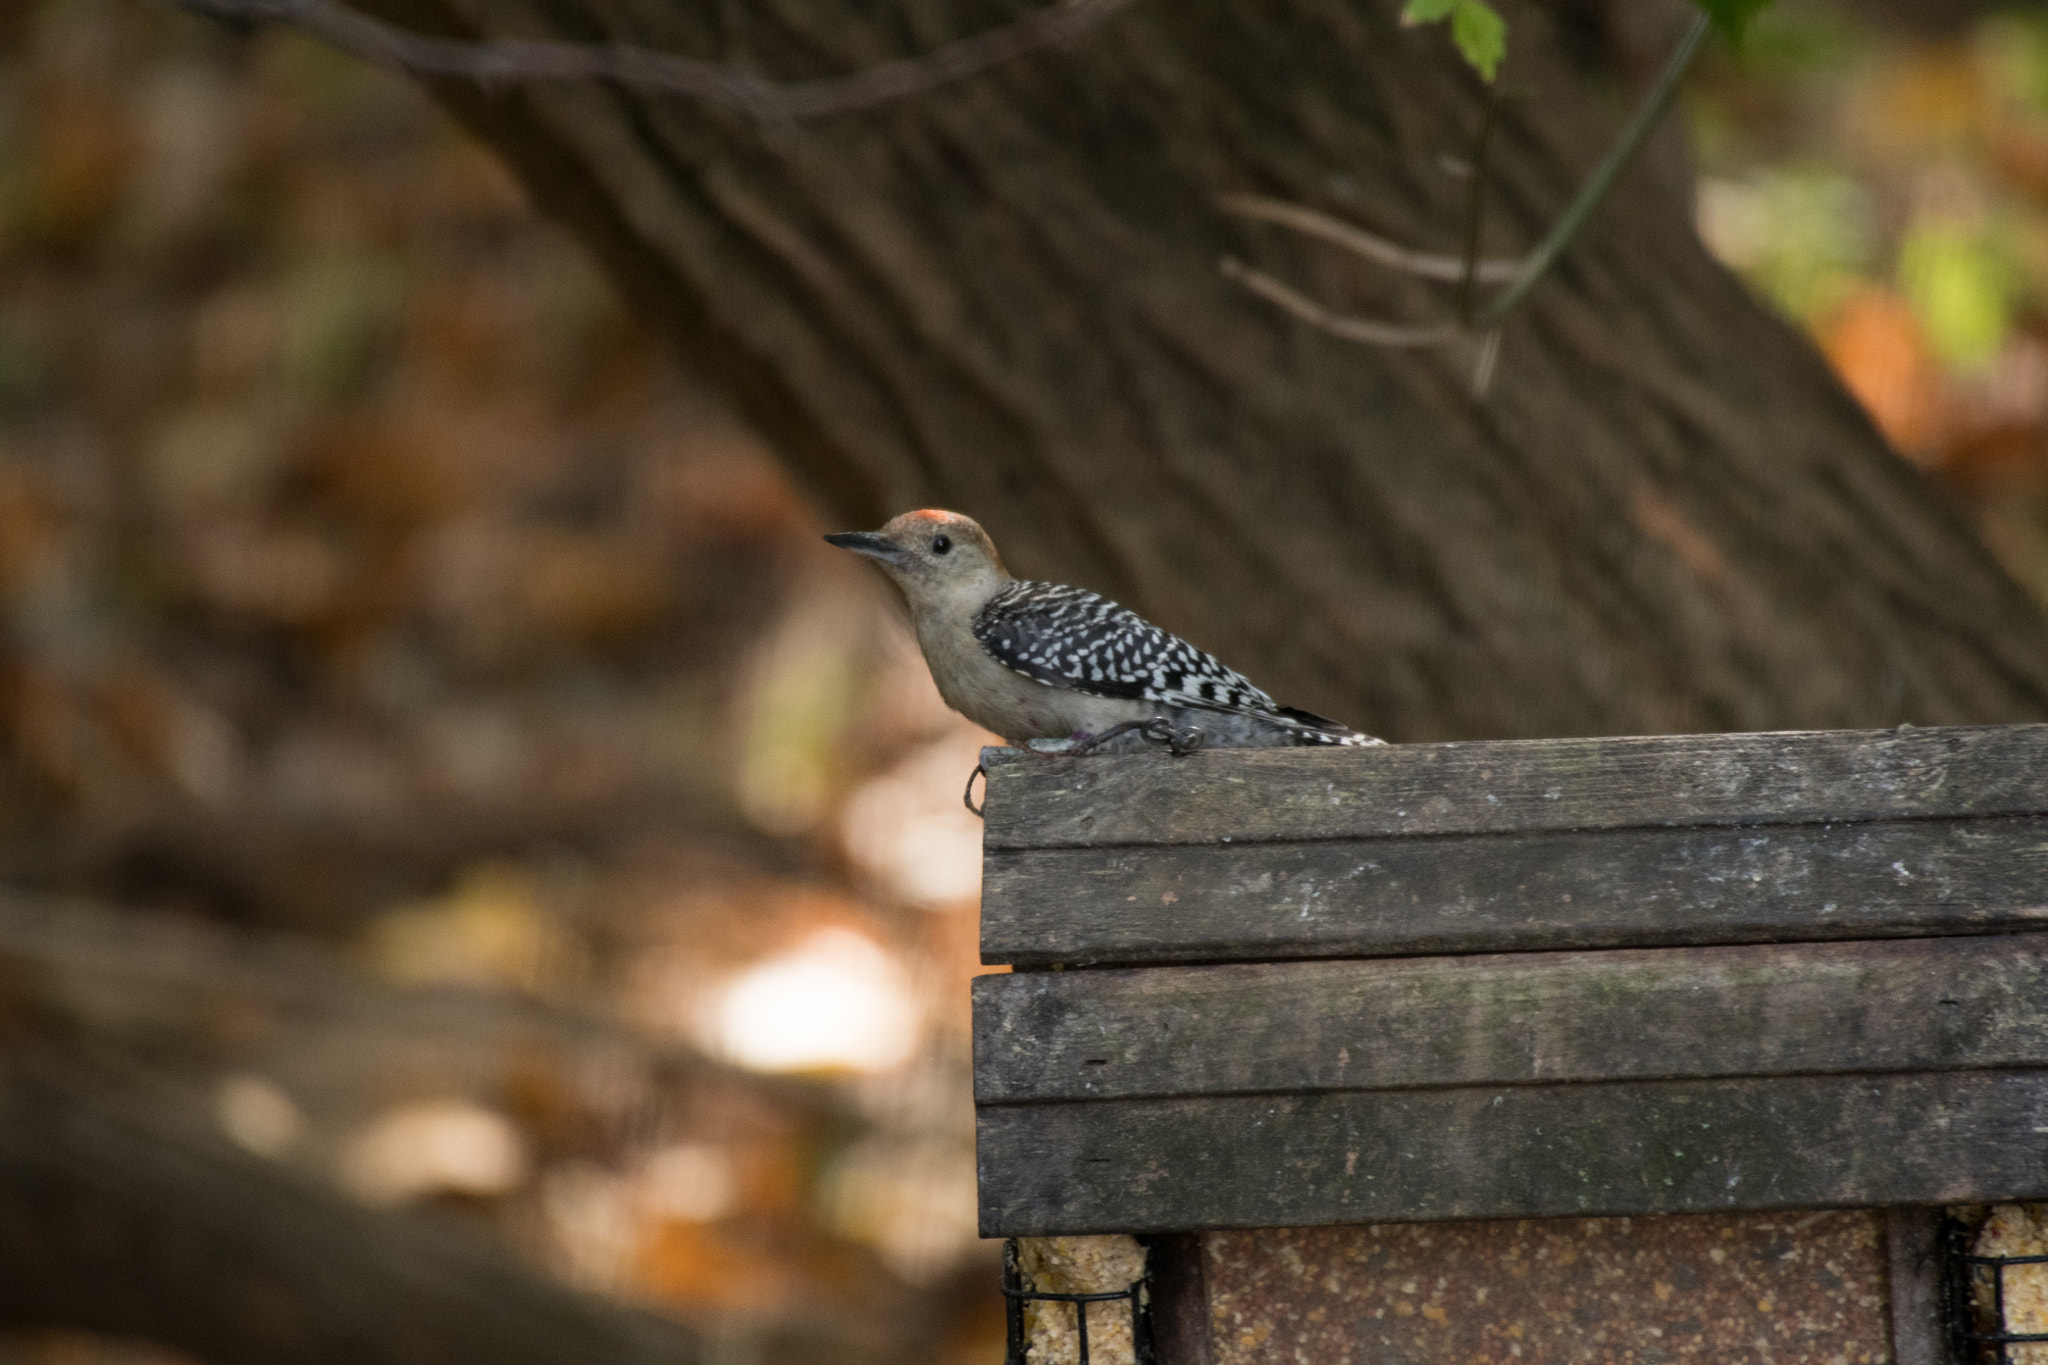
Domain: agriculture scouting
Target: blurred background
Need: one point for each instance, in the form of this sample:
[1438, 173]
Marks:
[437, 754]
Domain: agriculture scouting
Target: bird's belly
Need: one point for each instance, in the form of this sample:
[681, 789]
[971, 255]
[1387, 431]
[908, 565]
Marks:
[1012, 706]
[1020, 708]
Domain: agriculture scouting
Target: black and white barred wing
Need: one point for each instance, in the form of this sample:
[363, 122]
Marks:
[1067, 637]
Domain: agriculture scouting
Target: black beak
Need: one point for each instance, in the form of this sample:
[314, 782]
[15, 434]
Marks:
[870, 544]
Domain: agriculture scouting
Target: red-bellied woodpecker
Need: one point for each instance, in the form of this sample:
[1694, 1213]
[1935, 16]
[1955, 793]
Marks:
[1039, 662]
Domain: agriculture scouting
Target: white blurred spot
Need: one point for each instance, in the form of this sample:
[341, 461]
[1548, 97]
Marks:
[913, 1202]
[591, 1222]
[1733, 219]
[440, 1145]
[910, 829]
[691, 1181]
[598, 1221]
[1799, 234]
[835, 1000]
[257, 1115]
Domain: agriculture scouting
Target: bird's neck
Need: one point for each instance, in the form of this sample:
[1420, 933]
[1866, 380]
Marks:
[951, 607]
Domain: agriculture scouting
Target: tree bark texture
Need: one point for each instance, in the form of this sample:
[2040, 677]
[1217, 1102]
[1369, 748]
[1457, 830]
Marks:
[120, 1224]
[1003, 296]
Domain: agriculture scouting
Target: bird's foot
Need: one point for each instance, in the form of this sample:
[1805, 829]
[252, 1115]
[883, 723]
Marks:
[1084, 743]
[1179, 741]
[1157, 730]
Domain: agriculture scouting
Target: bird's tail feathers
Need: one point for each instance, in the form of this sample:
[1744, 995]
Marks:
[1311, 729]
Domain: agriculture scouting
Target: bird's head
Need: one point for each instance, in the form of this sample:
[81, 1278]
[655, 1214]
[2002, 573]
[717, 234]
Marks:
[938, 559]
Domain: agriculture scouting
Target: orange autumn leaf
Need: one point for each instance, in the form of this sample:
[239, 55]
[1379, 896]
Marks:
[697, 1265]
[1878, 348]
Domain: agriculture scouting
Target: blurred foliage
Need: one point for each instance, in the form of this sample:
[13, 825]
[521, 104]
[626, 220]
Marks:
[1890, 195]
[1478, 31]
[1733, 17]
[398, 641]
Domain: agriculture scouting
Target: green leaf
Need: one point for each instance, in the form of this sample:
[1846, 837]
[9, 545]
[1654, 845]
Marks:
[1480, 33]
[1962, 288]
[1427, 11]
[1732, 16]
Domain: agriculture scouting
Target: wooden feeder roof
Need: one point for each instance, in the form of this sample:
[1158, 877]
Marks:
[1515, 979]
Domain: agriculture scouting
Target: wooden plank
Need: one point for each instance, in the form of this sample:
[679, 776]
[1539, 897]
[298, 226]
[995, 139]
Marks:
[1514, 892]
[1623, 1147]
[1512, 1019]
[1252, 796]
[1181, 1322]
[1912, 1236]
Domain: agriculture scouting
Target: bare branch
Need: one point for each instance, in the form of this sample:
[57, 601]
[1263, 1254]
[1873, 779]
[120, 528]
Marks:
[498, 61]
[1367, 330]
[1428, 265]
[1520, 276]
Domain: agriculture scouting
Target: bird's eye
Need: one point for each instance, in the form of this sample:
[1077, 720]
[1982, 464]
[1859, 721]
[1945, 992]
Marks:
[941, 544]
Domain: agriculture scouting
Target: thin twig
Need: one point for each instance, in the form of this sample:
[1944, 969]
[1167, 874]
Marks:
[1427, 265]
[1521, 275]
[1647, 117]
[1484, 364]
[1475, 207]
[506, 60]
[1350, 328]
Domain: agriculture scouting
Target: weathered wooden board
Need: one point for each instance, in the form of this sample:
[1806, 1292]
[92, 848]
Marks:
[1514, 1019]
[1623, 1147]
[1821, 979]
[1512, 892]
[1254, 796]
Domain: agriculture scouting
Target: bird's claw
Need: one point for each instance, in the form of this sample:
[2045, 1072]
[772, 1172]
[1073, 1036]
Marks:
[1157, 730]
[967, 796]
[1084, 744]
[1179, 742]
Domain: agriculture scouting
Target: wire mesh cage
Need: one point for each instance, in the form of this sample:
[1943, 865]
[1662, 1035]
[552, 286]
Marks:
[1016, 1296]
[1977, 1302]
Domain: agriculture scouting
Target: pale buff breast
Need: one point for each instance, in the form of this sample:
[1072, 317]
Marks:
[1007, 702]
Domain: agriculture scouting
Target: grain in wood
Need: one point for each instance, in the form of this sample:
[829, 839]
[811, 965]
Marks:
[1512, 1019]
[1516, 891]
[1252, 796]
[1622, 1147]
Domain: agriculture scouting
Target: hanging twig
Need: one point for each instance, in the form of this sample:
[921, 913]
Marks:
[1484, 364]
[1428, 265]
[509, 60]
[1367, 330]
[1475, 207]
[1520, 276]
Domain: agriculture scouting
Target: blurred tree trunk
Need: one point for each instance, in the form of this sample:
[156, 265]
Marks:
[114, 1223]
[1003, 297]
[120, 1224]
